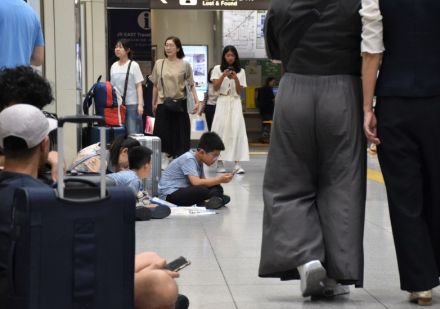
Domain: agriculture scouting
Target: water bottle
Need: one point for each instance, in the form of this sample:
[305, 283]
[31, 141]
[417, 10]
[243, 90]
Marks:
[158, 201]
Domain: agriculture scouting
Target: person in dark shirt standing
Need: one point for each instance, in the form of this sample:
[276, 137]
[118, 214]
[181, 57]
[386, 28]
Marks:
[403, 44]
[265, 103]
[315, 179]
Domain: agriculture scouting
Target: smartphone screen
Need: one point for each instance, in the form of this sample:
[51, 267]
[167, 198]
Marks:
[178, 264]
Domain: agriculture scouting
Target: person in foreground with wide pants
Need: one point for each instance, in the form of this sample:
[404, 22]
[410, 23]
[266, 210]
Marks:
[405, 125]
[315, 179]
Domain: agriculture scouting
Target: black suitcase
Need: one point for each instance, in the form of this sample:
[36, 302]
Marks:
[74, 248]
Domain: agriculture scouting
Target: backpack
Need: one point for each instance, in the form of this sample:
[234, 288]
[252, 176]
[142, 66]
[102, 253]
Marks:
[108, 103]
[87, 160]
[102, 94]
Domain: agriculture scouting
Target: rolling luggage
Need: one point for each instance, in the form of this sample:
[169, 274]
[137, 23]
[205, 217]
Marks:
[151, 183]
[73, 248]
[110, 134]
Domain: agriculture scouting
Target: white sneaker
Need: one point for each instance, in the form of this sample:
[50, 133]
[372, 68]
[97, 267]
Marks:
[220, 167]
[332, 288]
[312, 274]
[239, 169]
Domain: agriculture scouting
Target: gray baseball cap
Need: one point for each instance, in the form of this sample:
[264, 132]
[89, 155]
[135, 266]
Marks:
[27, 122]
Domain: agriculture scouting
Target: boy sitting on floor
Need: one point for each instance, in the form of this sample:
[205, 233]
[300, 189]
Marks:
[184, 183]
[139, 162]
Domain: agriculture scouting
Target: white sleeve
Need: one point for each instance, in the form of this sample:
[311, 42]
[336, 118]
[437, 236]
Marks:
[112, 72]
[137, 74]
[216, 73]
[242, 78]
[372, 27]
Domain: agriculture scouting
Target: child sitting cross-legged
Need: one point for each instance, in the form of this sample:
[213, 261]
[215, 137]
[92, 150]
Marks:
[139, 162]
[183, 182]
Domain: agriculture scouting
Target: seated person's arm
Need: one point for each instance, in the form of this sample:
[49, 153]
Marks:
[52, 160]
[210, 182]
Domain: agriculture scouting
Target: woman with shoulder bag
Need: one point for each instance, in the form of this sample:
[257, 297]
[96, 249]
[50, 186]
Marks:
[129, 85]
[169, 99]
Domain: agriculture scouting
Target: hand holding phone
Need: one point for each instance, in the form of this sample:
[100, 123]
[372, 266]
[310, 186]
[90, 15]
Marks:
[177, 264]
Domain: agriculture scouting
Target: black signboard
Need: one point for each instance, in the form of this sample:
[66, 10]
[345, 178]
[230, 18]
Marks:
[210, 4]
[138, 4]
[132, 24]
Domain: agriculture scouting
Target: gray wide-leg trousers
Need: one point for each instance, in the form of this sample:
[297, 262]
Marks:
[315, 179]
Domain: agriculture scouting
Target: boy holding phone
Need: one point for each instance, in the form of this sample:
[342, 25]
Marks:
[184, 183]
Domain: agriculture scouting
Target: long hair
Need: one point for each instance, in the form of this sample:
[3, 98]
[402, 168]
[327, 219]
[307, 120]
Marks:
[224, 65]
[178, 43]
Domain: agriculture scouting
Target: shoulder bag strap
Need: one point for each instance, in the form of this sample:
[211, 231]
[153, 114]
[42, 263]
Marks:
[126, 83]
[161, 79]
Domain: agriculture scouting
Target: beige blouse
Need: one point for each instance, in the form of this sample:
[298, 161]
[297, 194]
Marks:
[173, 75]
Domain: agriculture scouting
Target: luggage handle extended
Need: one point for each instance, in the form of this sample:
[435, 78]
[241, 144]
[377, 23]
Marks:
[60, 138]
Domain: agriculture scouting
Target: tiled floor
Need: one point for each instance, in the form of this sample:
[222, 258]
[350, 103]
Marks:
[225, 248]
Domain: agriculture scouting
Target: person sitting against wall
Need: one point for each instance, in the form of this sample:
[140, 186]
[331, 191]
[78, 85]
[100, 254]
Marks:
[266, 105]
[184, 183]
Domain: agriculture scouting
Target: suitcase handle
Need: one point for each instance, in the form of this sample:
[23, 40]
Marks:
[98, 120]
[60, 138]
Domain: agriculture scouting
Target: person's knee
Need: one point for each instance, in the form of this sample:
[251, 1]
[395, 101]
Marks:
[154, 289]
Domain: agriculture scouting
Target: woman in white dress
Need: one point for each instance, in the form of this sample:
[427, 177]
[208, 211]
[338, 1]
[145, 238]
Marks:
[229, 79]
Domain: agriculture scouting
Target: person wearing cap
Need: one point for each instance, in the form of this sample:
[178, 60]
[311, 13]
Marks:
[24, 139]
[23, 85]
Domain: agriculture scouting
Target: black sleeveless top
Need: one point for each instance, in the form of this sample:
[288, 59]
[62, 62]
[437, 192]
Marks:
[411, 60]
[315, 37]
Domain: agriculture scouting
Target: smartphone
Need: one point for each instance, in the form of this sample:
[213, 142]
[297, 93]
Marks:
[178, 264]
[235, 171]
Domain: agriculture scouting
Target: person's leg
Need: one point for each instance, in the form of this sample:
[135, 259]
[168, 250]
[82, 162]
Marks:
[215, 191]
[181, 134]
[209, 114]
[342, 176]
[291, 226]
[163, 127]
[154, 289]
[402, 156]
[193, 195]
[131, 119]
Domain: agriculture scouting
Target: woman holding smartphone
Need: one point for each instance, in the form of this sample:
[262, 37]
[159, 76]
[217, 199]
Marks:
[229, 79]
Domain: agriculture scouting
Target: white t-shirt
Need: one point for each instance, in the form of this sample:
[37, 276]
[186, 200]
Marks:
[228, 85]
[117, 78]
